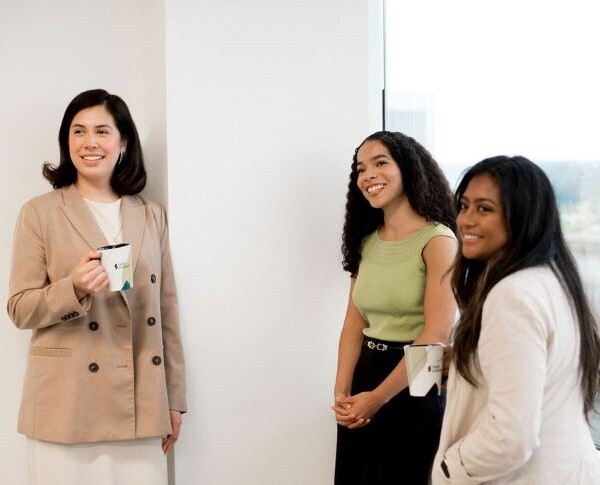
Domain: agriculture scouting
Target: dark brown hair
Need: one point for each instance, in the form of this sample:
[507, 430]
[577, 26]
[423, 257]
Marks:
[129, 175]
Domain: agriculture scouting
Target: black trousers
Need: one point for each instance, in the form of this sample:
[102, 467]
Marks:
[398, 445]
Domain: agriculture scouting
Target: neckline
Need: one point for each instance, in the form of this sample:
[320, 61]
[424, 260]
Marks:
[104, 213]
[103, 204]
[406, 239]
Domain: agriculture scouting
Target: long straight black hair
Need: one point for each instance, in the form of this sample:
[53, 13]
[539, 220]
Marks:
[535, 238]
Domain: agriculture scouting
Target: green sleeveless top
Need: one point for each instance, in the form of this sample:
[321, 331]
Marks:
[390, 284]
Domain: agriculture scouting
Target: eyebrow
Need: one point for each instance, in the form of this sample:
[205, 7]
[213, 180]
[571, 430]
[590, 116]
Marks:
[376, 157]
[97, 126]
[480, 199]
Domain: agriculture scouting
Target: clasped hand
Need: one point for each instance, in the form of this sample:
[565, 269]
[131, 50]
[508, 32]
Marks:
[356, 411]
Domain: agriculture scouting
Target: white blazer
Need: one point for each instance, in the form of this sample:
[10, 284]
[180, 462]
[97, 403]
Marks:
[524, 423]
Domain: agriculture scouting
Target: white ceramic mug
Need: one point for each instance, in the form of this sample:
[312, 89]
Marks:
[424, 364]
[116, 261]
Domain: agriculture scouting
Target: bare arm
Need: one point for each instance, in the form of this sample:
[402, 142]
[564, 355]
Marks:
[351, 339]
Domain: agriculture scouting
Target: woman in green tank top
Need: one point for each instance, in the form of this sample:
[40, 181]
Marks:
[398, 246]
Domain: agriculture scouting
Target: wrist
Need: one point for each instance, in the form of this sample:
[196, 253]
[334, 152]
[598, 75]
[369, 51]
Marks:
[380, 396]
[342, 388]
[79, 294]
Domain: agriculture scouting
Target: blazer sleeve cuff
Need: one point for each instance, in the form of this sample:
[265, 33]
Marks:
[178, 405]
[86, 303]
[72, 307]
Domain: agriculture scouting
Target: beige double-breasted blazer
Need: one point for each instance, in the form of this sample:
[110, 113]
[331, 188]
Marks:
[108, 367]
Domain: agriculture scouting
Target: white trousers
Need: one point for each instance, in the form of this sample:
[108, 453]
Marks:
[105, 463]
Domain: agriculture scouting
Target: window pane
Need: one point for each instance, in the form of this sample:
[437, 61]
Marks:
[472, 79]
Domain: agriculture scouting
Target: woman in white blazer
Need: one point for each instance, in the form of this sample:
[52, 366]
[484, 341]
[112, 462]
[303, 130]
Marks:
[526, 353]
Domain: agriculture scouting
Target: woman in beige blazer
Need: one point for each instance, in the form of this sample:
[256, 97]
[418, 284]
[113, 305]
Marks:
[105, 369]
[526, 354]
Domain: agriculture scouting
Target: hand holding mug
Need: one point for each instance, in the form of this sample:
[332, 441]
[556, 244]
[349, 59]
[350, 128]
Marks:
[89, 276]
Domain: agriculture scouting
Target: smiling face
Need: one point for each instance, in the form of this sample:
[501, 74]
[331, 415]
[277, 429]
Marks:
[379, 176]
[94, 145]
[481, 219]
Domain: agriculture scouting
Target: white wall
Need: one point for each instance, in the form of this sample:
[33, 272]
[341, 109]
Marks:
[49, 52]
[264, 104]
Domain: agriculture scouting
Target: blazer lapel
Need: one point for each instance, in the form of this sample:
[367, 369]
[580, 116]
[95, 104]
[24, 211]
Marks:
[133, 218]
[81, 218]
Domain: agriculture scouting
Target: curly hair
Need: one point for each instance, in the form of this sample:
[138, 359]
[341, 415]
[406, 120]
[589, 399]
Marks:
[129, 176]
[425, 185]
[535, 239]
